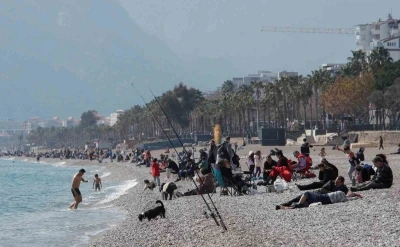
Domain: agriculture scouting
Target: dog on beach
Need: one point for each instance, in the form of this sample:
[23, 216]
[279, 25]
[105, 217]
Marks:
[153, 213]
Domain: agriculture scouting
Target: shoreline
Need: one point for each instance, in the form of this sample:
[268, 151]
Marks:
[251, 220]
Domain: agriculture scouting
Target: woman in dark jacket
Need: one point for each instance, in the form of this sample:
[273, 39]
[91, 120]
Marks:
[226, 172]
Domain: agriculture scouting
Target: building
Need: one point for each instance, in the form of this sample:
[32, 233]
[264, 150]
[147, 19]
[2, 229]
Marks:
[70, 122]
[114, 117]
[10, 127]
[263, 76]
[333, 68]
[31, 124]
[286, 74]
[380, 34]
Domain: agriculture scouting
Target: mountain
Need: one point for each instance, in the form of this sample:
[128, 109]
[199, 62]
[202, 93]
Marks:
[63, 57]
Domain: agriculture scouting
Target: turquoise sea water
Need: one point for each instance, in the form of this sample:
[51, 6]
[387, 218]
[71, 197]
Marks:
[35, 199]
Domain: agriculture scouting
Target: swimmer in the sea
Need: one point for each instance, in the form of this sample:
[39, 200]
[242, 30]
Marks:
[76, 182]
[97, 183]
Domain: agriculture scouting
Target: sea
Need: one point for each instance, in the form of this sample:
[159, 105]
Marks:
[34, 200]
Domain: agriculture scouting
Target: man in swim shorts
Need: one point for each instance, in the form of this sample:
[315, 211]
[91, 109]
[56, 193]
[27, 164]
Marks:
[76, 182]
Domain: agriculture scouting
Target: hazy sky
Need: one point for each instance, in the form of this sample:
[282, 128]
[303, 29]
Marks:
[230, 29]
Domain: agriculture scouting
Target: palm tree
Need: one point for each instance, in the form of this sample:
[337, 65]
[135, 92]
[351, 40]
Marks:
[245, 93]
[378, 58]
[357, 62]
[268, 100]
[318, 79]
[257, 89]
[306, 93]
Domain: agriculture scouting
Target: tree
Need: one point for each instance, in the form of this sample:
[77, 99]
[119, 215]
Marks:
[257, 87]
[349, 96]
[378, 58]
[89, 118]
[357, 63]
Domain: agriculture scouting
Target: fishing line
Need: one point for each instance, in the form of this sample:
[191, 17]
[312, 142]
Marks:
[170, 142]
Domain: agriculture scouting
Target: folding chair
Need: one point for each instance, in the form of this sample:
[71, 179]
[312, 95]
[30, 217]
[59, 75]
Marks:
[221, 182]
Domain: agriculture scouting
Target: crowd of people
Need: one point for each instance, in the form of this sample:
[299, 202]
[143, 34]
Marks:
[222, 159]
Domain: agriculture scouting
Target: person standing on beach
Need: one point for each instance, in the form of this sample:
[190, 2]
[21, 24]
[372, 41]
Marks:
[97, 183]
[76, 182]
[155, 171]
[380, 142]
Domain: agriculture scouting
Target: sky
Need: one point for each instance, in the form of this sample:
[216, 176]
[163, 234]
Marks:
[231, 30]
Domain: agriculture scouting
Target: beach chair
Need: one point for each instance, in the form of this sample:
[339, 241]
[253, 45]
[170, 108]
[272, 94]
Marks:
[223, 184]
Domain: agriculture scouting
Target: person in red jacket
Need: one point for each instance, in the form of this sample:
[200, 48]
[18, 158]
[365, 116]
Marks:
[155, 171]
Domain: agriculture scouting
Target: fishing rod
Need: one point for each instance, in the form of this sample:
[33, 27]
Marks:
[184, 150]
[170, 142]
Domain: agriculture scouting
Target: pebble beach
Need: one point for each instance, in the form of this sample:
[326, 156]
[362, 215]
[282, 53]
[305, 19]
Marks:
[252, 219]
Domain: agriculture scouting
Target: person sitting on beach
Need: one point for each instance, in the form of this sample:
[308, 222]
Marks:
[282, 160]
[268, 165]
[97, 183]
[281, 169]
[167, 189]
[309, 198]
[382, 179]
[226, 172]
[148, 185]
[328, 175]
[328, 165]
[331, 186]
[203, 160]
[303, 161]
[172, 167]
[206, 184]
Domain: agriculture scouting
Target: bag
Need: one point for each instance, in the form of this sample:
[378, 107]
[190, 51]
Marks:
[280, 185]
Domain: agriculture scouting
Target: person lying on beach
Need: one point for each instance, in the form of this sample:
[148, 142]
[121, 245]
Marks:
[148, 185]
[382, 179]
[328, 175]
[331, 186]
[309, 198]
[97, 183]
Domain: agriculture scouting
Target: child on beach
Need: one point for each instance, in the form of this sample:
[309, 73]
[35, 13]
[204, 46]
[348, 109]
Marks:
[258, 160]
[97, 183]
[251, 162]
[155, 171]
[148, 185]
[322, 154]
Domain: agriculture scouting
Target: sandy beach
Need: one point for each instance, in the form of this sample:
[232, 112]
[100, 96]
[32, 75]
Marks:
[252, 219]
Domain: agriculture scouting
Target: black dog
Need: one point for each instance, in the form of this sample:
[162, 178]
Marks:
[153, 213]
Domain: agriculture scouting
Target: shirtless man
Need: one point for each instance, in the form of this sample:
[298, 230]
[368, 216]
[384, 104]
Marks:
[76, 182]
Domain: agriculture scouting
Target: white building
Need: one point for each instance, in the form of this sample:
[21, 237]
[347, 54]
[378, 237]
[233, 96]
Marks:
[114, 117]
[10, 126]
[333, 68]
[263, 76]
[287, 74]
[70, 122]
[380, 34]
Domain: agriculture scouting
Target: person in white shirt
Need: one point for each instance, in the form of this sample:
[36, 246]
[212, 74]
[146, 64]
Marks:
[258, 160]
